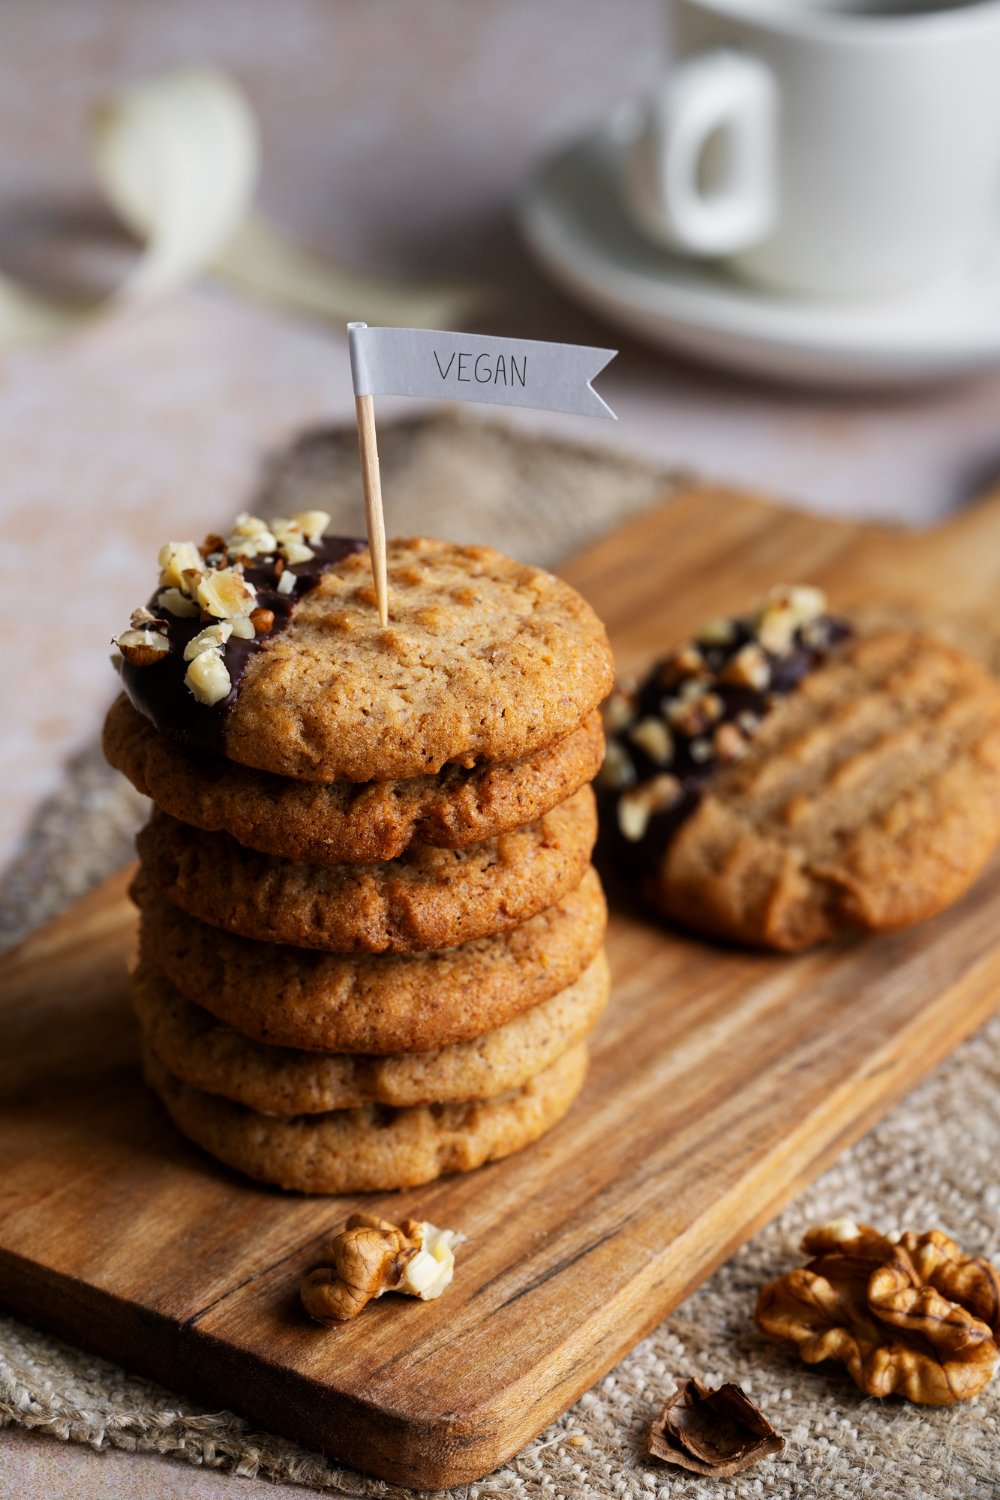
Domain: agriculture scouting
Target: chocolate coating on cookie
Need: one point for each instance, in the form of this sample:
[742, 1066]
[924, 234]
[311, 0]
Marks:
[699, 708]
[159, 691]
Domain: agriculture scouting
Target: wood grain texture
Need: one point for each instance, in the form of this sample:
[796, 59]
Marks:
[721, 1083]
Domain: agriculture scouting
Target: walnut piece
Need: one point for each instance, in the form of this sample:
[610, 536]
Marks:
[638, 805]
[225, 594]
[208, 677]
[174, 559]
[371, 1256]
[909, 1315]
[653, 736]
[250, 537]
[717, 1432]
[748, 668]
[141, 647]
[785, 610]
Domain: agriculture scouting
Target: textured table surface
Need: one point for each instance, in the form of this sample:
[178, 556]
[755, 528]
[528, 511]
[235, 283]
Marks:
[394, 136]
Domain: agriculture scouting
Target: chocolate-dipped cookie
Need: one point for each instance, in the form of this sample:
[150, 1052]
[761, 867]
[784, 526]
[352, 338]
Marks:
[265, 646]
[783, 778]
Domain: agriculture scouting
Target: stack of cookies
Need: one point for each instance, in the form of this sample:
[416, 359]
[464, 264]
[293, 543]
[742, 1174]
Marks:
[371, 936]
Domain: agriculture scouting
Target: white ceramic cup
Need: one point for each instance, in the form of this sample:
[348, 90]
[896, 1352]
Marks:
[824, 147]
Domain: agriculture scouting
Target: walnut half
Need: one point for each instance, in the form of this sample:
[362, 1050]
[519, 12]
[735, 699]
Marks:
[371, 1256]
[909, 1315]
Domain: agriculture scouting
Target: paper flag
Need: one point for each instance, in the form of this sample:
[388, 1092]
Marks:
[477, 367]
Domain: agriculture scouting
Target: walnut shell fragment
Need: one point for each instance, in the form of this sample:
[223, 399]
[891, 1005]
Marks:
[909, 1315]
[717, 1432]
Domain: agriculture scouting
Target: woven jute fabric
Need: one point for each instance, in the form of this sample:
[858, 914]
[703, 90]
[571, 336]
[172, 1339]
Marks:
[933, 1161]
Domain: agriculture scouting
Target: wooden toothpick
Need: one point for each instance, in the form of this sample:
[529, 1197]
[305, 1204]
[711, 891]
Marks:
[374, 520]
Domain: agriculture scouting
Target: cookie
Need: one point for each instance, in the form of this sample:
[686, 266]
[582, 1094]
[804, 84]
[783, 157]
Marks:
[375, 1148]
[284, 1081]
[428, 898]
[374, 1003]
[484, 658]
[865, 800]
[342, 822]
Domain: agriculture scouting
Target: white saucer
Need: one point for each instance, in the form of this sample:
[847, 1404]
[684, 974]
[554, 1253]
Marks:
[573, 218]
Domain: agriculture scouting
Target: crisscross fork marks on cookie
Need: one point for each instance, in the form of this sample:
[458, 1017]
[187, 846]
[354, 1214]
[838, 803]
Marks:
[871, 799]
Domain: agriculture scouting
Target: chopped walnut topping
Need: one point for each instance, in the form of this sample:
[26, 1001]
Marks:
[693, 715]
[685, 662]
[783, 612]
[262, 620]
[226, 593]
[212, 638]
[372, 1256]
[617, 770]
[142, 648]
[634, 814]
[701, 706]
[748, 668]
[177, 603]
[210, 582]
[617, 710]
[638, 805]
[312, 523]
[717, 632]
[653, 736]
[143, 618]
[174, 557]
[291, 539]
[729, 744]
[816, 635]
[250, 537]
[294, 551]
[208, 677]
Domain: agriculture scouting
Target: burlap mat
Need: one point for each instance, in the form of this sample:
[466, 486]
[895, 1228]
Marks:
[932, 1161]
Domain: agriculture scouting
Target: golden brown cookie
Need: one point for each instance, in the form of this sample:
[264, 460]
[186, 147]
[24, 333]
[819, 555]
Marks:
[428, 898]
[374, 1148]
[376, 1003]
[348, 822]
[868, 798]
[483, 658]
[285, 1081]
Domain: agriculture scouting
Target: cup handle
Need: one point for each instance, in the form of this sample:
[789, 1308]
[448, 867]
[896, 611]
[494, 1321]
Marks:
[726, 94]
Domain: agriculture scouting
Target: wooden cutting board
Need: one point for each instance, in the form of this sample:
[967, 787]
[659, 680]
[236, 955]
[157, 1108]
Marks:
[722, 1082]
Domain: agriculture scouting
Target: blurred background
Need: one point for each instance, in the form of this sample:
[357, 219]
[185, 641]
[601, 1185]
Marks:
[396, 139]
